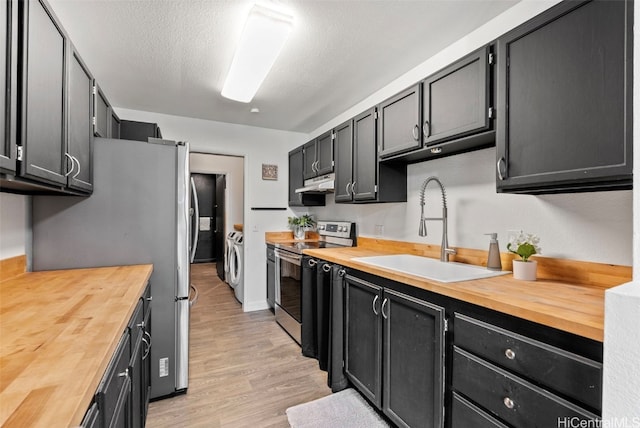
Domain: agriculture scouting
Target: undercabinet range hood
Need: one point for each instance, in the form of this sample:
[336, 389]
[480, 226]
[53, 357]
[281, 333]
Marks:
[322, 184]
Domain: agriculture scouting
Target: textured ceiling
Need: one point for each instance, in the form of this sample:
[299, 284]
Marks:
[171, 56]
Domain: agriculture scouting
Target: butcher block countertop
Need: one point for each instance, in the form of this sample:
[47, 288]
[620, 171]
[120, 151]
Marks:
[58, 331]
[568, 295]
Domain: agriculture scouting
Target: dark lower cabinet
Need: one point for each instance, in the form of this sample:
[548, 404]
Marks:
[394, 352]
[122, 397]
[8, 75]
[465, 414]
[271, 276]
[565, 100]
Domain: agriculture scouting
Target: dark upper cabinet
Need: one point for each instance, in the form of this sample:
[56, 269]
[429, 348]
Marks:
[373, 181]
[399, 125]
[44, 95]
[457, 99]
[296, 180]
[8, 75]
[318, 156]
[343, 145]
[115, 125]
[140, 131]
[102, 111]
[565, 100]
[80, 127]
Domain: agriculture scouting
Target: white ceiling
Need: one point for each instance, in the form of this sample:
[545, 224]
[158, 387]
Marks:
[171, 56]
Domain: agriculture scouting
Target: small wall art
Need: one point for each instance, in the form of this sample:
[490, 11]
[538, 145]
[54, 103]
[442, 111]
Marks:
[269, 172]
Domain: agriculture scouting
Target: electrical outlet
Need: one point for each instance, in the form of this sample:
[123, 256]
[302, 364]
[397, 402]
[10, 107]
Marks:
[379, 229]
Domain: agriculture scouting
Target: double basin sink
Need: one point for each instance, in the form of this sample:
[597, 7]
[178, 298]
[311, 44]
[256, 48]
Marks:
[430, 268]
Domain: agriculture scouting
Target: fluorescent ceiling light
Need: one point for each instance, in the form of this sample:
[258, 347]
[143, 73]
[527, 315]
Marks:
[263, 37]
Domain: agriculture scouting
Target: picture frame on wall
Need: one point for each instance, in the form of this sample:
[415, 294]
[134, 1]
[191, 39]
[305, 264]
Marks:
[269, 172]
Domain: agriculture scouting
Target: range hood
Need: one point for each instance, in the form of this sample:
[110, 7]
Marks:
[322, 184]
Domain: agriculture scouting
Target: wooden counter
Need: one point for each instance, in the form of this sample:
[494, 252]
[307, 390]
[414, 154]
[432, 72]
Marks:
[58, 331]
[564, 304]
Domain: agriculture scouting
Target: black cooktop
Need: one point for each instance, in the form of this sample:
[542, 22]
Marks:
[297, 247]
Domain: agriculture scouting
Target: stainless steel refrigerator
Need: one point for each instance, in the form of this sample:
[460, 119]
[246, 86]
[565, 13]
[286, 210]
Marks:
[138, 213]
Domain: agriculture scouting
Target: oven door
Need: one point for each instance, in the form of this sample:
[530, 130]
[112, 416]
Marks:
[288, 308]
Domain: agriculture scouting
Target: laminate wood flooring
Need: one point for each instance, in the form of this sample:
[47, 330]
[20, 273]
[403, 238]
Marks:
[244, 370]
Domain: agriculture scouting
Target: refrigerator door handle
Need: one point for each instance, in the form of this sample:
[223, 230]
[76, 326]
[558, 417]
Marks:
[195, 219]
[195, 295]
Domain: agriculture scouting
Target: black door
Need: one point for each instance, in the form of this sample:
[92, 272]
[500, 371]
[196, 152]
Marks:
[221, 185]
[206, 220]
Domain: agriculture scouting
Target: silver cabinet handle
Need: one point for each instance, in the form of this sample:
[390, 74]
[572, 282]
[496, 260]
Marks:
[347, 188]
[342, 272]
[150, 298]
[73, 164]
[146, 352]
[501, 161]
[353, 188]
[312, 262]
[78, 162]
[373, 305]
[510, 354]
[416, 133]
[508, 403]
[384, 302]
[146, 333]
[426, 129]
[140, 325]
[124, 373]
[326, 267]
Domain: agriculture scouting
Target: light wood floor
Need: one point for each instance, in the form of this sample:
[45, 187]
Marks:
[245, 371]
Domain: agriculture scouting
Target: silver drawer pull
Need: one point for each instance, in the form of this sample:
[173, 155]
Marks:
[326, 268]
[508, 403]
[312, 262]
[124, 373]
[510, 354]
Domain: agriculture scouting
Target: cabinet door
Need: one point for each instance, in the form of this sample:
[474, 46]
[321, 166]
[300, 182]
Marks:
[146, 364]
[413, 361]
[344, 161]
[400, 121]
[363, 337]
[115, 125]
[324, 154]
[271, 281]
[365, 175]
[137, 383]
[8, 75]
[564, 100]
[102, 111]
[309, 160]
[80, 137]
[296, 179]
[456, 100]
[44, 85]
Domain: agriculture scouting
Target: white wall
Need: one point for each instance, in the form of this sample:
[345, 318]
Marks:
[233, 168]
[258, 146]
[14, 225]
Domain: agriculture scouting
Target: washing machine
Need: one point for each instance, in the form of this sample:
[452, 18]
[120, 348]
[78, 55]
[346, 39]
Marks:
[236, 267]
[228, 253]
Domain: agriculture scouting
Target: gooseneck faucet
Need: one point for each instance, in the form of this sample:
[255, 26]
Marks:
[444, 248]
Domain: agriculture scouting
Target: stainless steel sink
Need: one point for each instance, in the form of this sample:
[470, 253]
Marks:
[430, 268]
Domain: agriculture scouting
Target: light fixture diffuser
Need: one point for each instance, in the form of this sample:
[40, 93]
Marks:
[263, 37]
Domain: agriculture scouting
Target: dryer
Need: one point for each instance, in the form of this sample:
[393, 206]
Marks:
[228, 253]
[236, 267]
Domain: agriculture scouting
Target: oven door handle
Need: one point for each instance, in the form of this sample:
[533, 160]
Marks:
[291, 258]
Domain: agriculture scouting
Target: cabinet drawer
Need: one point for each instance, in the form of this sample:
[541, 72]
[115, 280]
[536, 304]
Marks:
[466, 415]
[114, 380]
[136, 324]
[509, 397]
[567, 373]
[146, 304]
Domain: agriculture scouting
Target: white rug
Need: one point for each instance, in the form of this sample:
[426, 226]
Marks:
[344, 409]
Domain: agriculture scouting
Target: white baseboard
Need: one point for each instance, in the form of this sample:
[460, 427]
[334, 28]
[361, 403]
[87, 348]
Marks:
[255, 306]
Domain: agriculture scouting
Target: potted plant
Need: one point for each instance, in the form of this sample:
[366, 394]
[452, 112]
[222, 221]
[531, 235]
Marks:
[525, 245]
[300, 225]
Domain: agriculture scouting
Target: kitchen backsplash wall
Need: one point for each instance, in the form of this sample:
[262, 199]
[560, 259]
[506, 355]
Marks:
[595, 227]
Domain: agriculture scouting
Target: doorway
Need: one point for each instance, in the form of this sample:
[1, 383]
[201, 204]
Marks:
[208, 205]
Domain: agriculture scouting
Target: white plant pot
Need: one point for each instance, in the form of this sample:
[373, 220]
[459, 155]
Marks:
[299, 232]
[526, 271]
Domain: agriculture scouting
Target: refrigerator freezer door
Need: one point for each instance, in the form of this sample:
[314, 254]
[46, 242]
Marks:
[183, 192]
[182, 344]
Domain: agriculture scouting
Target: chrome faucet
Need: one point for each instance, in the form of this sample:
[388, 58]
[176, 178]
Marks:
[444, 248]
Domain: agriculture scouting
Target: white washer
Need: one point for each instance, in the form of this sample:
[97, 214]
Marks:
[231, 237]
[236, 267]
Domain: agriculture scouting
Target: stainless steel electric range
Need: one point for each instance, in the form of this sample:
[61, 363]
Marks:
[288, 307]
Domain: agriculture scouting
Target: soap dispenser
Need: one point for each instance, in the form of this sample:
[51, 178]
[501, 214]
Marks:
[493, 261]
